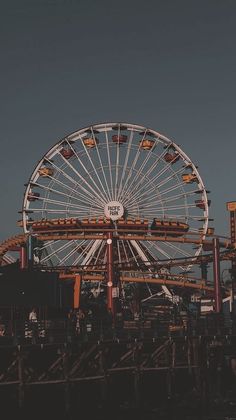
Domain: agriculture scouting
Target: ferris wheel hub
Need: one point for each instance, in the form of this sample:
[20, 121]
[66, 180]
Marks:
[114, 210]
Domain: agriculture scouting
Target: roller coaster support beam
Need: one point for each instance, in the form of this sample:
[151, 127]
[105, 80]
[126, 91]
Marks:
[109, 270]
[231, 207]
[77, 289]
[203, 266]
[216, 271]
[123, 278]
[77, 286]
[29, 251]
[23, 257]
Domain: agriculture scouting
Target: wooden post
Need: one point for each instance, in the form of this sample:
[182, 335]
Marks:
[21, 391]
[137, 375]
[197, 374]
[204, 377]
[67, 384]
[104, 380]
[137, 387]
[169, 385]
[77, 288]
[189, 354]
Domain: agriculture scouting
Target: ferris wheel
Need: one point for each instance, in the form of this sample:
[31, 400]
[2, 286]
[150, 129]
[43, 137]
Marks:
[121, 176]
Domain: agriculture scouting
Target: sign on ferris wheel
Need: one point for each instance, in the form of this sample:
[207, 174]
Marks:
[114, 210]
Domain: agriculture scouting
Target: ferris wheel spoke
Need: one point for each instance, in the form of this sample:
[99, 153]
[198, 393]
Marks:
[93, 166]
[178, 186]
[46, 244]
[174, 174]
[130, 190]
[125, 253]
[141, 251]
[170, 209]
[88, 198]
[179, 207]
[125, 164]
[96, 192]
[137, 181]
[147, 250]
[90, 251]
[166, 208]
[50, 189]
[85, 199]
[177, 197]
[194, 230]
[143, 257]
[165, 181]
[118, 251]
[86, 245]
[151, 215]
[133, 254]
[161, 251]
[61, 211]
[148, 201]
[59, 203]
[109, 163]
[97, 247]
[161, 193]
[70, 254]
[132, 167]
[89, 193]
[138, 195]
[66, 204]
[157, 247]
[108, 194]
[100, 248]
[136, 200]
[155, 203]
[180, 252]
[117, 165]
[83, 248]
[178, 249]
[56, 252]
[125, 257]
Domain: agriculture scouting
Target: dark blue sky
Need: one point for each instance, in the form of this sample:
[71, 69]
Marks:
[169, 65]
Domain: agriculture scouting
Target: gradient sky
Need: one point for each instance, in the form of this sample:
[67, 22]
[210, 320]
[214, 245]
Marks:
[165, 64]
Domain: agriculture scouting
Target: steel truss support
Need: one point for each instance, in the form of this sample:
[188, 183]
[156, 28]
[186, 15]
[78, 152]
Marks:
[216, 270]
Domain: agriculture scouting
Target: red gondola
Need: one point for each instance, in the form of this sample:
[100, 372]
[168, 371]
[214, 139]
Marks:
[201, 204]
[120, 139]
[33, 196]
[67, 153]
[171, 157]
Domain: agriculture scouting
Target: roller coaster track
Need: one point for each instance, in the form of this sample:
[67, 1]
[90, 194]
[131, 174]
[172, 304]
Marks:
[139, 235]
[11, 244]
[14, 242]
